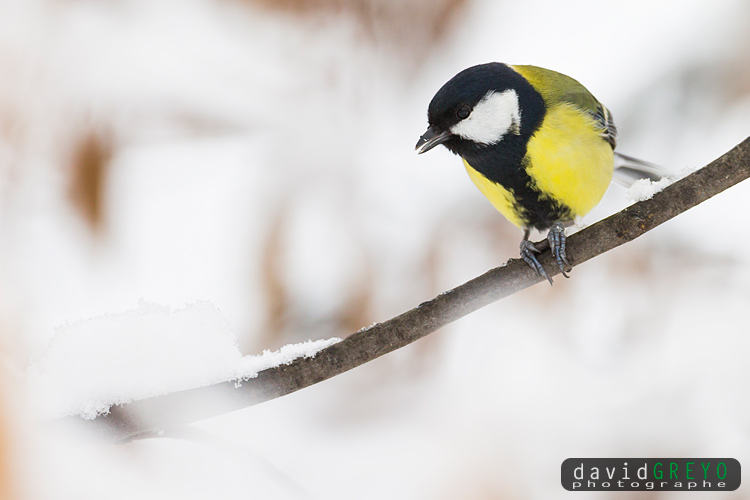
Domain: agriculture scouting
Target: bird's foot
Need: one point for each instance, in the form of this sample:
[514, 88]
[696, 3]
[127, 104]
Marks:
[527, 254]
[557, 239]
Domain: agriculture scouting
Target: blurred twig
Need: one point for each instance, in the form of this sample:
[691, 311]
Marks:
[90, 162]
[146, 417]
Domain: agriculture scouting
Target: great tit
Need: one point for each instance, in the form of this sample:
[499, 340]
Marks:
[535, 142]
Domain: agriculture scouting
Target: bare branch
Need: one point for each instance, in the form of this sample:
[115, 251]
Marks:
[148, 416]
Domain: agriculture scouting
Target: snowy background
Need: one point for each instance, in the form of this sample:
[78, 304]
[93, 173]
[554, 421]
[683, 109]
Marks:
[250, 164]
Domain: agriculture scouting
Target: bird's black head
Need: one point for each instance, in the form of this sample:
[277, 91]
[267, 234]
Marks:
[480, 107]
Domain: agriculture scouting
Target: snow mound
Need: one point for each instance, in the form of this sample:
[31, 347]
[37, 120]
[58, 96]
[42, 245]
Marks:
[645, 189]
[93, 364]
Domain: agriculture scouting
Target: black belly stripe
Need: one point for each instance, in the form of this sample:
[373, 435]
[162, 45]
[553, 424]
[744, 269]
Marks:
[535, 208]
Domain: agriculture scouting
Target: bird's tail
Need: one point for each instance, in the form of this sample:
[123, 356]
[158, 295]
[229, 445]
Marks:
[629, 169]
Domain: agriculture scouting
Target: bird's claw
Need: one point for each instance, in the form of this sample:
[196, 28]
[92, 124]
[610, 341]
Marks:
[527, 254]
[557, 239]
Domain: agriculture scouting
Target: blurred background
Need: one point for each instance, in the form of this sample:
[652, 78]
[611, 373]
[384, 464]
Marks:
[258, 154]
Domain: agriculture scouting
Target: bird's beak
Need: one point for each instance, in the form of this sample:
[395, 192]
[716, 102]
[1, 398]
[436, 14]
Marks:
[430, 139]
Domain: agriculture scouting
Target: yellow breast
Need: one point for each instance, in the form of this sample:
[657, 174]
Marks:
[569, 160]
[501, 198]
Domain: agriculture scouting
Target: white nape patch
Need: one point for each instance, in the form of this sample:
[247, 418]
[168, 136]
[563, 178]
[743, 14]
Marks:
[491, 119]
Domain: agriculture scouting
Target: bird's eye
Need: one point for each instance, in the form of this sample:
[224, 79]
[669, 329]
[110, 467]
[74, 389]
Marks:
[463, 111]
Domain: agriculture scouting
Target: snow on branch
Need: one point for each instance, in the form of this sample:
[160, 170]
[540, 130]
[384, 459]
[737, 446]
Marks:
[146, 417]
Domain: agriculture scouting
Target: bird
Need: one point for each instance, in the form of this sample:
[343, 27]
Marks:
[536, 143]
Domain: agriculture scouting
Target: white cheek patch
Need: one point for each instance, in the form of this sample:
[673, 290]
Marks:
[491, 119]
